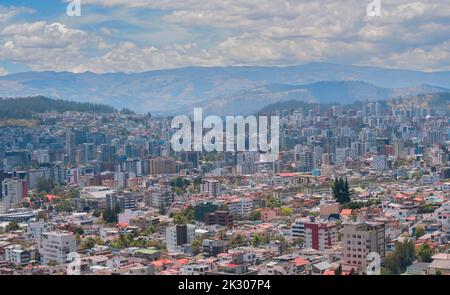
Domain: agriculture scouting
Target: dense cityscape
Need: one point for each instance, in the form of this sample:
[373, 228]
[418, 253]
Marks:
[356, 189]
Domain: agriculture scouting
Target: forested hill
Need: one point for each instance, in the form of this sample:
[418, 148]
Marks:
[26, 107]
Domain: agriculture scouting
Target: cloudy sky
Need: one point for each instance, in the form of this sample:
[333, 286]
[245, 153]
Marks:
[143, 35]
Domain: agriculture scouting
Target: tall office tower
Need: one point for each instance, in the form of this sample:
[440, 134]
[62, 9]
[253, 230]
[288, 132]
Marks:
[361, 239]
[3, 175]
[305, 160]
[70, 146]
[14, 191]
[434, 137]
[88, 152]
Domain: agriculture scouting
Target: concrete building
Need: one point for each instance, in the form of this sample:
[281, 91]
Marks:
[162, 165]
[17, 255]
[211, 187]
[55, 247]
[179, 235]
[222, 218]
[361, 239]
[13, 191]
[125, 201]
[316, 235]
[160, 196]
[240, 206]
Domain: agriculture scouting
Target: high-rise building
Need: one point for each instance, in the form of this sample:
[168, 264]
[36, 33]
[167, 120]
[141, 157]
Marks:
[3, 175]
[70, 146]
[222, 218]
[14, 191]
[434, 137]
[316, 235]
[191, 158]
[179, 235]
[162, 165]
[361, 239]
[160, 196]
[55, 247]
[122, 201]
[305, 160]
[211, 187]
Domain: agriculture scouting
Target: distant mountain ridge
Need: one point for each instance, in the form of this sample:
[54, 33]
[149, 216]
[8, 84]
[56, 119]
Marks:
[168, 92]
[342, 92]
[27, 107]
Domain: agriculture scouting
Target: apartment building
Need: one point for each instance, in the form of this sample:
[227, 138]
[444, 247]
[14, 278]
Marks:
[160, 196]
[179, 235]
[222, 218]
[125, 201]
[55, 247]
[241, 206]
[211, 187]
[316, 235]
[17, 255]
[162, 165]
[361, 239]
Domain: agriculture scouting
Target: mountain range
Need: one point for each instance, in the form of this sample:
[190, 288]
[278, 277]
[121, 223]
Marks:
[226, 90]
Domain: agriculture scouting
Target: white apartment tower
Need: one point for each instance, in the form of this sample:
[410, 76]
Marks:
[55, 247]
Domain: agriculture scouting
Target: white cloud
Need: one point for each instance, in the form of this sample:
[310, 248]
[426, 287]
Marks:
[409, 34]
[44, 46]
[7, 13]
[3, 72]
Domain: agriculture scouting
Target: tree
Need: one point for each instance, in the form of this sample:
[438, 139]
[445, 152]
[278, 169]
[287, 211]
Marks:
[272, 202]
[139, 243]
[257, 240]
[63, 205]
[111, 215]
[189, 213]
[45, 186]
[149, 230]
[338, 270]
[87, 243]
[237, 240]
[286, 211]
[341, 191]
[420, 231]
[196, 246]
[425, 253]
[12, 226]
[180, 219]
[255, 215]
[403, 256]
[283, 243]
[78, 230]
[391, 264]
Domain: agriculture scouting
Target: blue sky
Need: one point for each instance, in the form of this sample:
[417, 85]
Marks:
[144, 35]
